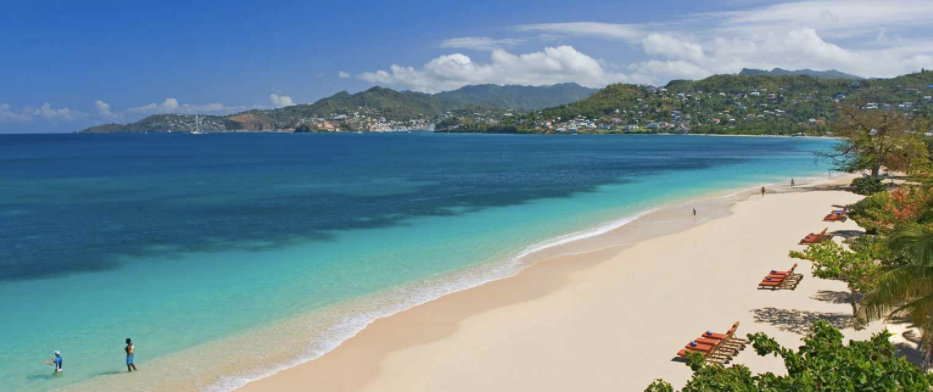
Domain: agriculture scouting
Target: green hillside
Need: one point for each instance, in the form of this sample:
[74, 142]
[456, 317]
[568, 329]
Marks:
[374, 104]
[727, 104]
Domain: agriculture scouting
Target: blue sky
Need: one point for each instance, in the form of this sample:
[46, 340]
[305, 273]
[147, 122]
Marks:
[68, 65]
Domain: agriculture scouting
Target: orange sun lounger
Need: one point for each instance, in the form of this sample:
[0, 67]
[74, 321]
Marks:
[781, 279]
[834, 217]
[715, 347]
[815, 238]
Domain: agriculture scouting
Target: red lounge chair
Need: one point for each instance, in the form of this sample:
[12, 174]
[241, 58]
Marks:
[815, 238]
[727, 338]
[834, 217]
[784, 273]
[781, 279]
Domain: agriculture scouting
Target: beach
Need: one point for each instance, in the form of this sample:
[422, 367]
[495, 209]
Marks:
[279, 274]
[610, 320]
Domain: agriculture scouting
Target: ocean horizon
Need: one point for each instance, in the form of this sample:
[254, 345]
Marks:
[227, 257]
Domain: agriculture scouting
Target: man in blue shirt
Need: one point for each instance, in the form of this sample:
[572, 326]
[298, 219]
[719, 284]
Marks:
[56, 361]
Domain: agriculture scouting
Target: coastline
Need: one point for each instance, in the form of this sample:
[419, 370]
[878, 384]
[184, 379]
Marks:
[429, 345]
[269, 347]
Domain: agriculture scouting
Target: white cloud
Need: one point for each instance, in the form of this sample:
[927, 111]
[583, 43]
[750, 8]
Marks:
[45, 112]
[832, 19]
[280, 101]
[628, 32]
[171, 105]
[103, 109]
[343, 74]
[478, 43]
[670, 47]
[552, 65]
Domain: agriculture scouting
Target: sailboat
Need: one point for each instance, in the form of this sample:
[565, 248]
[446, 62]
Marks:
[197, 126]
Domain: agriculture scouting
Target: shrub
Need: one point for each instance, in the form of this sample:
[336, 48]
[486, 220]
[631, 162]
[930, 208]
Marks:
[867, 185]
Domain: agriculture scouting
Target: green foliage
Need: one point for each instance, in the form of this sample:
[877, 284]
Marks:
[823, 363]
[867, 185]
[832, 261]
[305, 128]
[874, 213]
[514, 97]
[906, 287]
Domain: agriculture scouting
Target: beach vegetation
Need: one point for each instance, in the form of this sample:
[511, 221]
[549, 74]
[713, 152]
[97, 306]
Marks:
[832, 261]
[874, 213]
[905, 288]
[876, 139]
[823, 363]
[867, 185]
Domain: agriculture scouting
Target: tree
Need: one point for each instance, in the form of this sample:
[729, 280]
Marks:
[823, 363]
[906, 288]
[832, 261]
[872, 139]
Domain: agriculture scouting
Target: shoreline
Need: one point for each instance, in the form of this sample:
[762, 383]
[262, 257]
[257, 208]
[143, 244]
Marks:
[622, 233]
[550, 277]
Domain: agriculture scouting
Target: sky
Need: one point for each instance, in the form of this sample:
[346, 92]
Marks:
[68, 65]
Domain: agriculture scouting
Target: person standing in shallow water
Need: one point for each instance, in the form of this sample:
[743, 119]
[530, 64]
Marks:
[130, 349]
[56, 361]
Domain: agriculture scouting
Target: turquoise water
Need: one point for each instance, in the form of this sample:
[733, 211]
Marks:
[187, 242]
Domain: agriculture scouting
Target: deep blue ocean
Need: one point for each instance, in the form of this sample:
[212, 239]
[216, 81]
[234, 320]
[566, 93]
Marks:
[186, 243]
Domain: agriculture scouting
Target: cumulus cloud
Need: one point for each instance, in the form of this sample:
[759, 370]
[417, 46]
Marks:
[848, 35]
[478, 43]
[103, 109]
[552, 65]
[280, 101]
[45, 112]
[343, 74]
[171, 105]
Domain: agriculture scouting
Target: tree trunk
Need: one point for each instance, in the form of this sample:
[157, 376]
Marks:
[876, 170]
[929, 355]
[853, 301]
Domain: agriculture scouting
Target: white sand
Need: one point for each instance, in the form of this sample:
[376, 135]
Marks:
[611, 320]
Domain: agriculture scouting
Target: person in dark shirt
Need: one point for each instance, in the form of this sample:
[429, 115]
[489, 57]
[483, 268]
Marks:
[130, 349]
[56, 361]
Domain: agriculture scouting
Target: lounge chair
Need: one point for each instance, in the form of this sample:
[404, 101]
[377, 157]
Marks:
[727, 338]
[784, 273]
[815, 238]
[834, 217]
[781, 280]
[715, 347]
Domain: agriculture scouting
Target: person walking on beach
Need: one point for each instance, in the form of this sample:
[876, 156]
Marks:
[791, 182]
[56, 361]
[130, 366]
[694, 212]
[762, 191]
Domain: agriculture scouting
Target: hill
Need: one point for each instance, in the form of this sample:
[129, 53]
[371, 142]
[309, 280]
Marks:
[372, 107]
[829, 74]
[726, 104]
[515, 97]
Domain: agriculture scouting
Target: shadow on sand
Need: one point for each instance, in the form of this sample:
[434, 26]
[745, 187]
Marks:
[798, 321]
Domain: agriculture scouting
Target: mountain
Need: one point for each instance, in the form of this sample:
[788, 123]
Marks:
[830, 74]
[375, 103]
[515, 97]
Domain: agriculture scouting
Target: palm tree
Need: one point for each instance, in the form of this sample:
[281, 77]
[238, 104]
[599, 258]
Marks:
[906, 289]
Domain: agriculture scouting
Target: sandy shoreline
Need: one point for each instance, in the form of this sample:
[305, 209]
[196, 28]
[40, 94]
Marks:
[606, 320]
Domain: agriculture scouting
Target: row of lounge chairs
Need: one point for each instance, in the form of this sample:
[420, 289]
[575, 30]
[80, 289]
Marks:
[781, 279]
[716, 347]
[721, 348]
